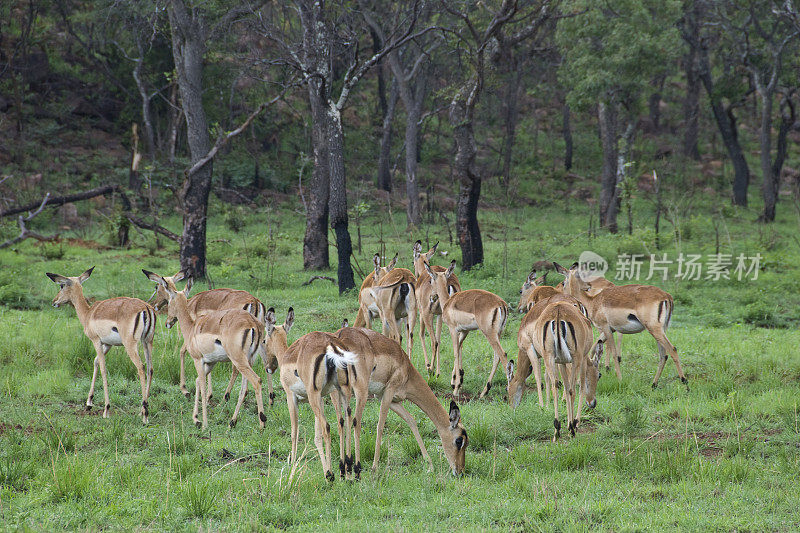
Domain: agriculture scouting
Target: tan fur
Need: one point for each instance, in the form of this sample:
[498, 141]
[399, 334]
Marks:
[392, 379]
[367, 308]
[134, 322]
[216, 300]
[611, 310]
[429, 309]
[229, 335]
[553, 328]
[392, 309]
[467, 311]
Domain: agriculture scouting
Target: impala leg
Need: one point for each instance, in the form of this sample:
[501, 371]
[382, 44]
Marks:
[239, 402]
[209, 388]
[101, 354]
[584, 369]
[569, 395]
[148, 358]
[248, 373]
[398, 408]
[551, 381]
[664, 345]
[200, 394]
[386, 401]
[337, 398]
[229, 388]
[184, 390]
[361, 401]
[291, 402]
[270, 391]
[608, 352]
[423, 326]
[499, 356]
[132, 348]
[437, 343]
[612, 345]
[102, 350]
[322, 433]
[537, 371]
[457, 378]
[411, 323]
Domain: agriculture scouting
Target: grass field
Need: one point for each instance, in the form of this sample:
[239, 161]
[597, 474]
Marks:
[723, 455]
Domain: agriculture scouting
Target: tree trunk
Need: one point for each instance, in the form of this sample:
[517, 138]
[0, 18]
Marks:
[788, 116]
[384, 172]
[609, 193]
[511, 109]
[567, 133]
[338, 199]
[769, 186]
[468, 231]
[315, 242]
[691, 107]
[654, 104]
[188, 48]
[726, 123]
[413, 113]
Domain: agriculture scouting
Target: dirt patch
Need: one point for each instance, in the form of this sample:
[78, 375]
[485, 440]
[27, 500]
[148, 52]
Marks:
[6, 427]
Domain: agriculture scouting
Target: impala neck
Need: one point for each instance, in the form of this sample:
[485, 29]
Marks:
[420, 394]
[444, 295]
[81, 305]
[185, 318]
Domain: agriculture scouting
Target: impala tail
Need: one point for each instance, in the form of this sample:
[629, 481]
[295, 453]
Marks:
[335, 357]
[560, 329]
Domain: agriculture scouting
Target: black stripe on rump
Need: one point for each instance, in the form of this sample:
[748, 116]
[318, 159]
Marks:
[136, 325]
[317, 363]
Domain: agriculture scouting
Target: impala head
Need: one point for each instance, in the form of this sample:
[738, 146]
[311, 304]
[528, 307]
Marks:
[439, 280]
[515, 387]
[592, 374]
[160, 297]
[455, 448]
[420, 257]
[277, 337]
[172, 293]
[574, 283]
[71, 288]
[530, 283]
[382, 271]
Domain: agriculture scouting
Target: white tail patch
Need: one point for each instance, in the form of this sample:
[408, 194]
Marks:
[560, 347]
[340, 359]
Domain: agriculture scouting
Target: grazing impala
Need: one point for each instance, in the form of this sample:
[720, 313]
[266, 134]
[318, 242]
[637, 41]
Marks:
[467, 311]
[114, 322]
[231, 335]
[430, 311]
[396, 298]
[392, 379]
[562, 336]
[367, 307]
[528, 359]
[627, 309]
[209, 301]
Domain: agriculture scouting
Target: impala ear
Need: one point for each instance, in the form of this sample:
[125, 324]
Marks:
[189, 283]
[392, 263]
[432, 251]
[376, 261]
[287, 325]
[83, 277]
[417, 249]
[269, 320]
[430, 272]
[345, 323]
[455, 415]
[510, 370]
[574, 266]
[180, 276]
[561, 270]
[152, 276]
[61, 280]
[532, 277]
[543, 279]
[450, 269]
[598, 352]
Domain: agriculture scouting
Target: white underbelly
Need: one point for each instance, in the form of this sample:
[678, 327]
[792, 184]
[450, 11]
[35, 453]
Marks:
[299, 390]
[112, 339]
[373, 308]
[469, 326]
[631, 326]
[218, 355]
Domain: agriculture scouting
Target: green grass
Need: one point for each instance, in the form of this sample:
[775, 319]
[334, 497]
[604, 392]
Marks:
[722, 455]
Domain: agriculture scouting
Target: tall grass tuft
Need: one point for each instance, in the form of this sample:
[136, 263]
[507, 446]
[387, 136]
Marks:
[72, 478]
[15, 468]
[199, 497]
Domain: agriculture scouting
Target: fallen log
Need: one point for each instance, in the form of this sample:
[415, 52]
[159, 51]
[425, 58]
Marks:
[61, 200]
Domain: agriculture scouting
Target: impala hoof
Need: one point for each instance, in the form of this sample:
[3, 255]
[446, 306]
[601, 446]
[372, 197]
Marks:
[329, 476]
[232, 423]
[186, 394]
[227, 396]
[198, 424]
[655, 385]
[88, 407]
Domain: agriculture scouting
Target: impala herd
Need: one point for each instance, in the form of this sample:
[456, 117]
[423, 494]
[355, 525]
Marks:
[232, 325]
